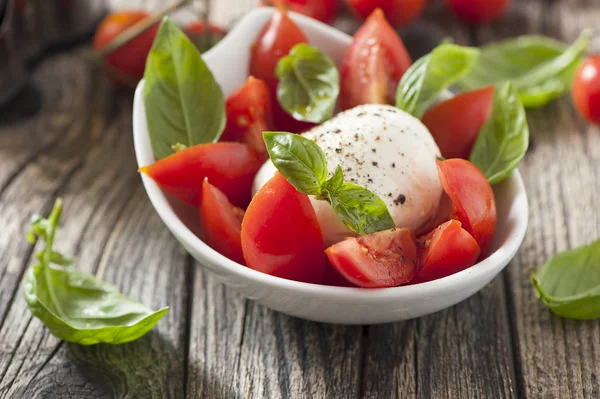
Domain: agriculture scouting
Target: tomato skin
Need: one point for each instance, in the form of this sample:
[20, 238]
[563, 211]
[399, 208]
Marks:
[199, 35]
[221, 222]
[321, 10]
[455, 123]
[230, 167]
[249, 113]
[586, 89]
[446, 250]
[477, 11]
[472, 197]
[373, 64]
[281, 235]
[384, 259]
[129, 59]
[397, 12]
[333, 278]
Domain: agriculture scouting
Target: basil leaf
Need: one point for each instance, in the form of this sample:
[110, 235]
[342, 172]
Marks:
[569, 283]
[184, 104]
[360, 209]
[430, 75]
[336, 181]
[309, 84]
[76, 306]
[298, 159]
[541, 68]
[504, 138]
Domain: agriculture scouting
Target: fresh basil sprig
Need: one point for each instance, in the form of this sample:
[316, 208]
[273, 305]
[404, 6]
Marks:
[184, 104]
[541, 68]
[503, 140]
[74, 305]
[309, 84]
[302, 162]
[569, 283]
[431, 74]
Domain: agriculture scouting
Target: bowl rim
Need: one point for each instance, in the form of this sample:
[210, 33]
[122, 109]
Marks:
[484, 269]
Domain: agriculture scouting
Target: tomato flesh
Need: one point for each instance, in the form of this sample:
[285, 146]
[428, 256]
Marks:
[472, 198]
[281, 235]
[221, 222]
[478, 11]
[373, 64]
[586, 89]
[446, 250]
[455, 123]
[230, 167]
[384, 259]
[322, 10]
[397, 12]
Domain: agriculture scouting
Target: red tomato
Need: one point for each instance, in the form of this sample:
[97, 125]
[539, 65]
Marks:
[281, 235]
[472, 197]
[221, 222]
[478, 11]
[249, 114]
[397, 12]
[373, 64]
[231, 167]
[384, 259]
[129, 59]
[322, 10]
[455, 123]
[586, 89]
[201, 37]
[448, 249]
[332, 277]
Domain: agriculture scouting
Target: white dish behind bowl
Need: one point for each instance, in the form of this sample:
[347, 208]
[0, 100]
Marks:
[229, 63]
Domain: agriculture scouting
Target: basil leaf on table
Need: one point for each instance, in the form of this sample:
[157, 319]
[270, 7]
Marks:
[309, 84]
[541, 68]
[431, 75]
[184, 104]
[76, 306]
[503, 140]
[302, 162]
[569, 283]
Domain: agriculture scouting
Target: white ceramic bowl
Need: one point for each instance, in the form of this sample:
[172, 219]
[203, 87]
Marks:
[229, 63]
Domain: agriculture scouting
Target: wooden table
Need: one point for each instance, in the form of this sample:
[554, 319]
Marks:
[69, 135]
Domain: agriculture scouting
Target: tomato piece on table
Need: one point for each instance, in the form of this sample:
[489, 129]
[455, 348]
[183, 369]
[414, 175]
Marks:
[446, 250]
[472, 198]
[230, 167]
[281, 235]
[478, 11]
[204, 39]
[249, 114]
[129, 60]
[221, 222]
[586, 89]
[322, 10]
[373, 64]
[397, 12]
[384, 259]
[455, 123]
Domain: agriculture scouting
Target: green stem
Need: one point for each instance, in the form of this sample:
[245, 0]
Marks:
[53, 220]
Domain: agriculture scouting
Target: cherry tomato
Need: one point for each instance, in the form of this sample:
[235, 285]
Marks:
[221, 222]
[332, 277]
[130, 59]
[322, 10]
[448, 249]
[472, 197]
[455, 123]
[249, 114]
[586, 89]
[478, 11]
[229, 166]
[397, 12]
[203, 38]
[281, 235]
[373, 64]
[384, 259]
[442, 214]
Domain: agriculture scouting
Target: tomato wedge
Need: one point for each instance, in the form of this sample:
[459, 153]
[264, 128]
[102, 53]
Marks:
[455, 123]
[221, 222]
[204, 38]
[231, 167]
[448, 249]
[281, 235]
[472, 198]
[332, 277]
[384, 259]
[373, 64]
[249, 114]
[398, 12]
[322, 10]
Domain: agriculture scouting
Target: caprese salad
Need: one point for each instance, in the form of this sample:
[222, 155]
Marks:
[372, 175]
